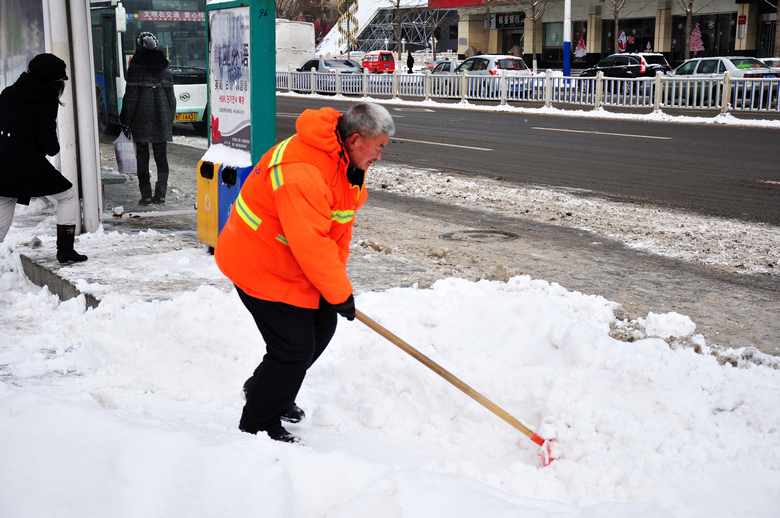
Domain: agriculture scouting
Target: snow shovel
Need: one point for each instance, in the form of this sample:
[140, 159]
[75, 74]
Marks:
[544, 453]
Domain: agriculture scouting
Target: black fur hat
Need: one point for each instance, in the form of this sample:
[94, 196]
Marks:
[47, 67]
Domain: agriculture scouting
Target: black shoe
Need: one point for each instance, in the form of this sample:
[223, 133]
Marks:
[144, 201]
[282, 435]
[159, 200]
[294, 414]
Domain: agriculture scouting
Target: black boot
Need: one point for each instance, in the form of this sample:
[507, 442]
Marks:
[294, 414]
[66, 235]
[159, 194]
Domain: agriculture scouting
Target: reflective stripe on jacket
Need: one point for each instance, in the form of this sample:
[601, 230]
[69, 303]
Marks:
[287, 238]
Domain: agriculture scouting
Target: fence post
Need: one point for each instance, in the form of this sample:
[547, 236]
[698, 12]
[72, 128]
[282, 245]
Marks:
[289, 80]
[427, 85]
[548, 88]
[658, 83]
[599, 90]
[463, 86]
[338, 82]
[503, 87]
[313, 81]
[724, 105]
[365, 82]
[396, 83]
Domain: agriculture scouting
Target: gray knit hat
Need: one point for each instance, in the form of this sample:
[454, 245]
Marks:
[146, 40]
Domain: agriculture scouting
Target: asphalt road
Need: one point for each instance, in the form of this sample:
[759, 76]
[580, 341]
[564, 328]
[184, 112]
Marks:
[717, 170]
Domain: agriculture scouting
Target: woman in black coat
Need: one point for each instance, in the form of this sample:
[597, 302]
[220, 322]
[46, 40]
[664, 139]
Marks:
[28, 133]
[148, 110]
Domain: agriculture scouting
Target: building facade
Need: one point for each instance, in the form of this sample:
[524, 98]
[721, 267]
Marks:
[719, 27]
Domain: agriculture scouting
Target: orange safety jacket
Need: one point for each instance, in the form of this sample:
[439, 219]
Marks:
[287, 237]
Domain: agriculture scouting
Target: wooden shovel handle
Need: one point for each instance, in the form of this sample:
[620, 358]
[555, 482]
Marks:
[438, 369]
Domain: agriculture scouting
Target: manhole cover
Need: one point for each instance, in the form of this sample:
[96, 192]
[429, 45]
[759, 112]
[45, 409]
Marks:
[479, 236]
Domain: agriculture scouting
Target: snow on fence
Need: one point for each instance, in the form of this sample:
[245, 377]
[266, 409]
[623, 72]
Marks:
[657, 92]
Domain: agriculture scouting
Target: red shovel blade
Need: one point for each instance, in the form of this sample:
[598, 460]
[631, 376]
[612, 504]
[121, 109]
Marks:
[544, 453]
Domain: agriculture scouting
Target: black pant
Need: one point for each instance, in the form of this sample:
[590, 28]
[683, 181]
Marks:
[294, 339]
[144, 178]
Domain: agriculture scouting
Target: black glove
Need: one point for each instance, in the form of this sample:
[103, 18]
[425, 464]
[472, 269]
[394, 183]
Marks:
[126, 131]
[346, 309]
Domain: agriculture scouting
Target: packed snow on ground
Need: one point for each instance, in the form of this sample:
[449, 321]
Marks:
[131, 409]
[731, 245]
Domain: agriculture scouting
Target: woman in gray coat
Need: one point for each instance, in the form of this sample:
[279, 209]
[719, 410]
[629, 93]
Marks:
[148, 109]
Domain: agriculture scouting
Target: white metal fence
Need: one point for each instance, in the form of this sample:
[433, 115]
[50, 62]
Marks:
[719, 93]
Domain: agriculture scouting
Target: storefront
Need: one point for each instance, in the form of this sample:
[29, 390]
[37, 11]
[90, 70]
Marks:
[512, 29]
[711, 35]
[722, 27]
[552, 44]
[633, 35]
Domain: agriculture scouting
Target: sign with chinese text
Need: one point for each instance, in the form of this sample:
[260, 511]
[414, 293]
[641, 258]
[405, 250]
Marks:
[171, 16]
[229, 78]
[510, 20]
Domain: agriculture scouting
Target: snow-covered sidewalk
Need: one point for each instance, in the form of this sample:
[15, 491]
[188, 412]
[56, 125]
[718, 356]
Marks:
[130, 409]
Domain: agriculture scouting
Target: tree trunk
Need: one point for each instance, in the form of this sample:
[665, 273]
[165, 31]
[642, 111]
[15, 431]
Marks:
[688, 23]
[487, 31]
[533, 45]
[398, 32]
[617, 34]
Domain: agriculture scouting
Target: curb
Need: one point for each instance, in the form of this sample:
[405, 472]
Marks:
[44, 277]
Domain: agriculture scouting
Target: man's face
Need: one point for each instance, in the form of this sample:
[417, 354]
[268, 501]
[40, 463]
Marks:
[364, 151]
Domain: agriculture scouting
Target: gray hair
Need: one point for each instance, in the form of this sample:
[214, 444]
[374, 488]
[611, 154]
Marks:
[368, 119]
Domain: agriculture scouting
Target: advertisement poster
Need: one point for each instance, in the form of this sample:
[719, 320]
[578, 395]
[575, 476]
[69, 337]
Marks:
[229, 78]
[21, 37]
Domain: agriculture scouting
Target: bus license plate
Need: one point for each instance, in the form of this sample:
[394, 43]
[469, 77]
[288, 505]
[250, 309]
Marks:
[186, 117]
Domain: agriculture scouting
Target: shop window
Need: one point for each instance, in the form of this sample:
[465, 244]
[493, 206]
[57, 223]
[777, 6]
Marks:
[716, 32]
[552, 42]
[634, 35]
[579, 40]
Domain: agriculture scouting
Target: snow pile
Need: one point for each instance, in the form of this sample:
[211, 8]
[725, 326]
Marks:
[222, 154]
[130, 409]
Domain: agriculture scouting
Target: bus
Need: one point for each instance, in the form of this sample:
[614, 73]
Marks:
[180, 28]
[294, 44]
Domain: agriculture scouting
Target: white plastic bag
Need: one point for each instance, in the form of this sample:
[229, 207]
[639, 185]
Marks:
[124, 148]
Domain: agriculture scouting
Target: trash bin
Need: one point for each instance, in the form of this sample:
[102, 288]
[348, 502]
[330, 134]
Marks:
[208, 202]
[221, 173]
[230, 181]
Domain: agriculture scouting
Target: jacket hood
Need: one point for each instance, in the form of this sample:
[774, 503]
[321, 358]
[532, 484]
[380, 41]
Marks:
[317, 128]
[28, 89]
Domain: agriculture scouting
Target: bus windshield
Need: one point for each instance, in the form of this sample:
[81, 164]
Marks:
[180, 28]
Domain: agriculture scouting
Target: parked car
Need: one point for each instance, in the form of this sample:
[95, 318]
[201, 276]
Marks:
[354, 64]
[329, 65]
[490, 67]
[488, 64]
[630, 65]
[326, 77]
[445, 66]
[430, 65]
[378, 61]
[740, 67]
[771, 62]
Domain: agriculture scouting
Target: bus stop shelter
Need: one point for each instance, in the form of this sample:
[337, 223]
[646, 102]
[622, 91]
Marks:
[60, 27]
